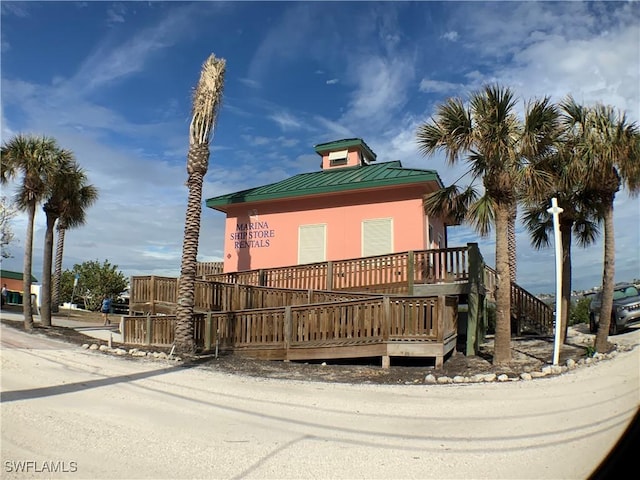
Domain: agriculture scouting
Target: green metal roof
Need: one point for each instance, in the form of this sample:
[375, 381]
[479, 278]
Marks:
[15, 275]
[344, 179]
[342, 144]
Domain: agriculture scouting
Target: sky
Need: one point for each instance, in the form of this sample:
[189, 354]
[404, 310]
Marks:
[113, 81]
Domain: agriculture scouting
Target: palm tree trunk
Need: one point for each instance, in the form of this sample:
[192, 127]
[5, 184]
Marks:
[184, 339]
[206, 101]
[602, 345]
[502, 342]
[565, 233]
[55, 290]
[26, 274]
[513, 265]
[45, 291]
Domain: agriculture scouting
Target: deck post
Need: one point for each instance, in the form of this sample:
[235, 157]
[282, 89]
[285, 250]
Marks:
[149, 326]
[410, 271]
[152, 295]
[261, 278]
[386, 320]
[473, 302]
[386, 361]
[207, 332]
[287, 331]
[329, 275]
[441, 309]
[131, 295]
[235, 302]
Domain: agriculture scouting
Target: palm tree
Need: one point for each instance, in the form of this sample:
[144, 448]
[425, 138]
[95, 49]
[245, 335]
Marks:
[581, 206]
[611, 159]
[206, 103]
[34, 160]
[72, 210]
[495, 144]
[65, 167]
[69, 193]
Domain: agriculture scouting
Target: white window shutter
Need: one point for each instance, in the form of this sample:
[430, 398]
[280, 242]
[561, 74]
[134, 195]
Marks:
[311, 243]
[377, 237]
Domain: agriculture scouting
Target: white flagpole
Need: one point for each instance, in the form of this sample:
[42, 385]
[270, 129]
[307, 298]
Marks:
[556, 211]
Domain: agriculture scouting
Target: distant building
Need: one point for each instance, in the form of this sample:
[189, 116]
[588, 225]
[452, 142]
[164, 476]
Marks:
[353, 207]
[13, 280]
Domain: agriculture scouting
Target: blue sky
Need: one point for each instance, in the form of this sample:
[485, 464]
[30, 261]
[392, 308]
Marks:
[112, 82]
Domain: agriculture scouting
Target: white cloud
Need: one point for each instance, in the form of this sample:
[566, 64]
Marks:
[438, 86]
[452, 36]
[333, 81]
[286, 121]
[250, 83]
[108, 63]
[256, 140]
[381, 91]
[332, 129]
[115, 13]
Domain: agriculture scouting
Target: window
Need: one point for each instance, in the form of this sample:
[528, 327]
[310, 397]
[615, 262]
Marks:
[312, 243]
[377, 237]
[338, 158]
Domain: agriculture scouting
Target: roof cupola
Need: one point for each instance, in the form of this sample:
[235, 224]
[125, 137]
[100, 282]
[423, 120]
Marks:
[348, 152]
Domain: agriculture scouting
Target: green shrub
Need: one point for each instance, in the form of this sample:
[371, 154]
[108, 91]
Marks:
[579, 312]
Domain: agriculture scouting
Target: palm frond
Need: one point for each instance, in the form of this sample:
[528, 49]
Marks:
[481, 214]
[586, 231]
[450, 202]
[449, 131]
[207, 98]
[539, 223]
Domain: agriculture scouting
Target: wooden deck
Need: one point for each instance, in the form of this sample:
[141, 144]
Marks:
[382, 326]
[248, 312]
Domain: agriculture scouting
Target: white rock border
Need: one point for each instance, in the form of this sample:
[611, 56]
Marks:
[133, 352]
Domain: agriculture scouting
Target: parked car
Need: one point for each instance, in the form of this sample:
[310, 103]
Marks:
[626, 308]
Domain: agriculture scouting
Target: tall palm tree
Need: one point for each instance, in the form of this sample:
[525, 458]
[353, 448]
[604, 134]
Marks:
[207, 98]
[611, 159]
[493, 142]
[581, 206]
[33, 160]
[77, 198]
[65, 169]
[69, 192]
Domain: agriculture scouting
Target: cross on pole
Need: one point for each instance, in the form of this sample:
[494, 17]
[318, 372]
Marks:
[555, 211]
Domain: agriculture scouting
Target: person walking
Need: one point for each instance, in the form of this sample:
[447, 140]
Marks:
[5, 294]
[105, 308]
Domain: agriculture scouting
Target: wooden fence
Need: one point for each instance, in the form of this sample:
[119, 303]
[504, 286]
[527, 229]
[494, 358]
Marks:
[392, 273]
[382, 326]
[150, 295]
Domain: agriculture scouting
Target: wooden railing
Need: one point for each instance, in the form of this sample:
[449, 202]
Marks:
[393, 273]
[342, 280]
[149, 296]
[209, 268]
[530, 313]
[353, 322]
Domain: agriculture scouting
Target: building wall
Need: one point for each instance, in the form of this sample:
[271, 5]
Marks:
[12, 284]
[265, 234]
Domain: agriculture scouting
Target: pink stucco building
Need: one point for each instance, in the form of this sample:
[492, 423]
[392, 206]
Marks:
[353, 207]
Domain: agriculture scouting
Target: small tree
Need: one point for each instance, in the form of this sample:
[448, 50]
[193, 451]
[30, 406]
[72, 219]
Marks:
[94, 281]
[7, 212]
[579, 312]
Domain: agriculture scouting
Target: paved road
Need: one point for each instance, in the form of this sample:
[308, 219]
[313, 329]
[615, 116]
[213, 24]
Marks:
[97, 416]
